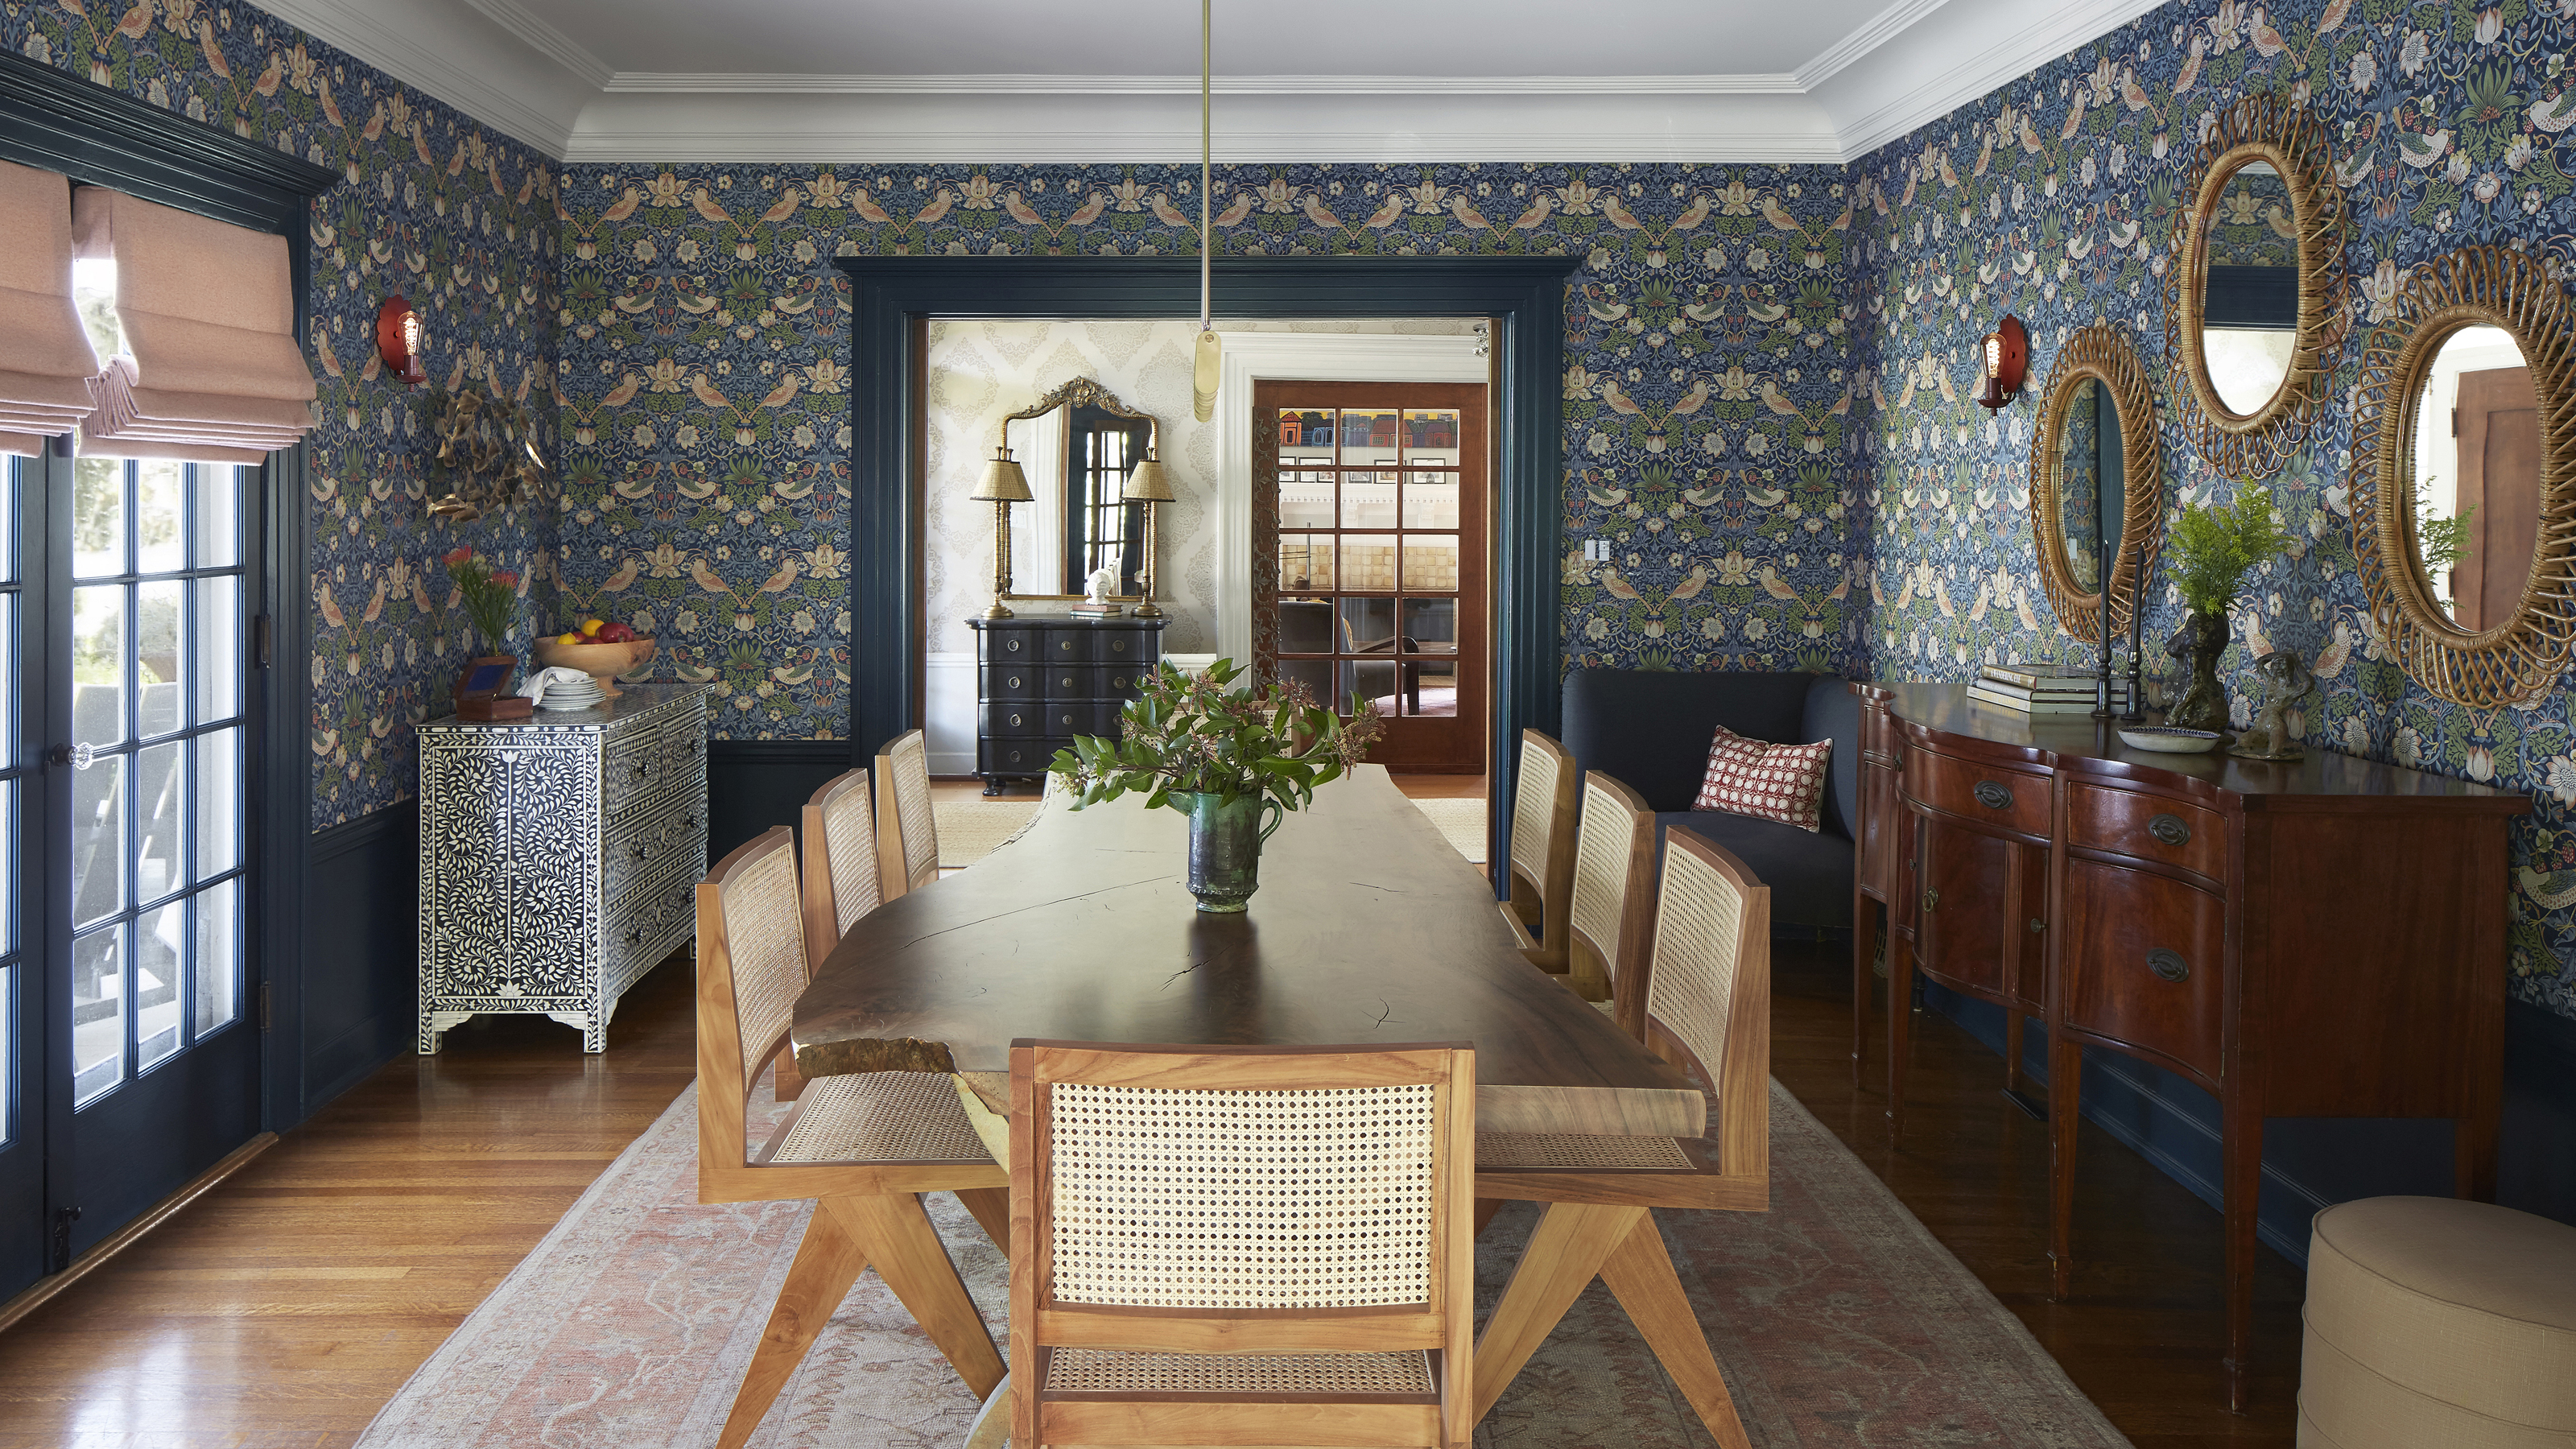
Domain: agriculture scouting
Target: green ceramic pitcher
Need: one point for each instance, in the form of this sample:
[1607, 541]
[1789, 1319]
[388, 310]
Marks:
[1225, 846]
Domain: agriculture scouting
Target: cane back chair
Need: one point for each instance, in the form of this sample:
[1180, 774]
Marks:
[839, 851]
[1611, 915]
[907, 831]
[1235, 1245]
[864, 1146]
[1541, 858]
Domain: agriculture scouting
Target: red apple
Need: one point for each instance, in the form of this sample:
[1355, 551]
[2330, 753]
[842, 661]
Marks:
[614, 633]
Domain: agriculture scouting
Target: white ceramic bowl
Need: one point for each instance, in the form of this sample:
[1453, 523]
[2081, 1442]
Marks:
[2167, 740]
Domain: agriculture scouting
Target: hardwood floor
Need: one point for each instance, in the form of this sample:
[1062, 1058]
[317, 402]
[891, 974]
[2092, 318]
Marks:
[282, 1309]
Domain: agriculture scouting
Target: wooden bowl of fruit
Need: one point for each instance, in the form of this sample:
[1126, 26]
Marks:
[599, 648]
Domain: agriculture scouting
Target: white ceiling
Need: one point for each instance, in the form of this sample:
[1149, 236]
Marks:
[1004, 81]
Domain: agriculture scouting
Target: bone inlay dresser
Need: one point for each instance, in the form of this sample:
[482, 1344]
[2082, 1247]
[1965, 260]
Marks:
[2317, 939]
[558, 856]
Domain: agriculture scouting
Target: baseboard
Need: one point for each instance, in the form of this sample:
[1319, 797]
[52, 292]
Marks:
[43, 1290]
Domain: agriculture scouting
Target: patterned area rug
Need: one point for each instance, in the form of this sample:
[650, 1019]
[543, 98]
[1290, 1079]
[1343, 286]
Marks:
[969, 830]
[1838, 1319]
[1463, 821]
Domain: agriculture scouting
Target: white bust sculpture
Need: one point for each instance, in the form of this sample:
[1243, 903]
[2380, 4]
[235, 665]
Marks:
[1096, 588]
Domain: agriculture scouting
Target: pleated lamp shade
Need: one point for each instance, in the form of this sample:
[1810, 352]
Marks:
[1148, 484]
[1003, 482]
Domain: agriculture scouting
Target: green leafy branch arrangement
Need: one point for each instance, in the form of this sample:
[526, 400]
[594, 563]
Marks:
[2215, 544]
[1195, 734]
[2440, 542]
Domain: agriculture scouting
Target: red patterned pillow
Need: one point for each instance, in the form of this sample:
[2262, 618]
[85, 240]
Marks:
[1766, 781]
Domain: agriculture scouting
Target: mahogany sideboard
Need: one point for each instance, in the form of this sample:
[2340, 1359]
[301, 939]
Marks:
[2323, 938]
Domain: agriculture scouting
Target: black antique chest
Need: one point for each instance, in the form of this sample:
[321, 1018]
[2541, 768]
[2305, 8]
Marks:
[1040, 682]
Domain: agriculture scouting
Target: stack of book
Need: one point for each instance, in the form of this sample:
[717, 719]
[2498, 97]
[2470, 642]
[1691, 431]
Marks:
[2042, 689]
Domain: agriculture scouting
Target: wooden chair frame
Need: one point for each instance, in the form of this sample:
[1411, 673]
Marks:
[1542, 902]
[1443, 1324]
[1614, 850]
[864, 1212]
[1602, 1224]
[822, 896]
[908, 751]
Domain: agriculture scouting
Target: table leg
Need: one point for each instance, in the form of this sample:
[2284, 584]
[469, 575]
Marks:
[899, 1239]
[2241, 1123]
[1640, 1274]
[1900, 1010]
[2065, 1095]
[1563, 1257]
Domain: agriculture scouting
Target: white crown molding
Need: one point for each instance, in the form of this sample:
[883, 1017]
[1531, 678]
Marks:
[1878, 30]
[719, 83]
[454, 55]
[542, 36]
[1976, 48]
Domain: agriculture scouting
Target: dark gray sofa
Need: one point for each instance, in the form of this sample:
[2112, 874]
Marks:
[1651, 728]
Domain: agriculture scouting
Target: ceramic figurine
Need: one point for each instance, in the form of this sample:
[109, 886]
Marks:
[1096, 587]
[2286, 680]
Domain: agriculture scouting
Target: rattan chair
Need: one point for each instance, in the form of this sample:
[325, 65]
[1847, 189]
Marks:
[864, 1146]
[1542, 850]
[1707, 1010]
[839, 850]
[1234, 1245]
[1610, 919]
[907, 831]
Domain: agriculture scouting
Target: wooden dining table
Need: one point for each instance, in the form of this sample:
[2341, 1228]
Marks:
[1368, 928]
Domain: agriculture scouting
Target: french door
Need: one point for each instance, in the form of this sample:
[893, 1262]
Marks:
[1369, 521]
[130, 1056]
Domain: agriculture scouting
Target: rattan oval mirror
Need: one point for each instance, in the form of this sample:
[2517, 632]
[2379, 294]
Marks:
[2096, 480]
[2251, 282]
[2463, 503]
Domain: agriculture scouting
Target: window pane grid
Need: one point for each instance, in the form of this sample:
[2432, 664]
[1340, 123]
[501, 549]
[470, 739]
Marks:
[1369, 552]
[156, 963]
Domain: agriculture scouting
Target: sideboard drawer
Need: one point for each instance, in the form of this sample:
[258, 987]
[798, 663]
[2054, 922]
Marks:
[1014, 681]
[1002, 718]
[2144, 962]
[1075, 681]
[1002, 755]
[1984, 794]
[1125, 646]
[1069, 646]
[1010, 646]
[2149, 827]
[1080, 717]
[1125, 681]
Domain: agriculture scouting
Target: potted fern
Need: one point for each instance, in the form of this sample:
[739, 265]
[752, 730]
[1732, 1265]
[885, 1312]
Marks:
[1235, 762]
[2214, 546]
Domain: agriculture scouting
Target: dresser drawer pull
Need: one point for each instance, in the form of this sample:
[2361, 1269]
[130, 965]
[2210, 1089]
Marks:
[2037, 925]
[1012, 683]
[1065, 645]
[1931, 899]
[1015, 719]
[1994, 796]
[2170, 830]
[2168, 965]
[1065, 683]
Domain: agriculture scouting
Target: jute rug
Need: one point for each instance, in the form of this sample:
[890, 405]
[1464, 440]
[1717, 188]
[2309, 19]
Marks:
[1838, 1319]
[1463, 821]
[969, 830]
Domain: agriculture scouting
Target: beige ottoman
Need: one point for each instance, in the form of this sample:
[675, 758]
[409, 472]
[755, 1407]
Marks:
[2436, 1322]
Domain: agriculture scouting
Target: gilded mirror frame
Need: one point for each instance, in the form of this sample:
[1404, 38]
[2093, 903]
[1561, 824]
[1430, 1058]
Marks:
[1072, 393]
[2523, 658]
[2258, 128]
[2100, 352]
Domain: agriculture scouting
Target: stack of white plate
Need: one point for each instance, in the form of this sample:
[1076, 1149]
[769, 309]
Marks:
[572, 696]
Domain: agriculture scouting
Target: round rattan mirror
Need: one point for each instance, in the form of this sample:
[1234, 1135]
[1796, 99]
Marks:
[2096, 480]
[2250, 286]
[2463, 508]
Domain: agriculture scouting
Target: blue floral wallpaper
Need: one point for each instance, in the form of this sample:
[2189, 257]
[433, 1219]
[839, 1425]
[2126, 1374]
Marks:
[459, 219]
[2052, 198]
[706, 357]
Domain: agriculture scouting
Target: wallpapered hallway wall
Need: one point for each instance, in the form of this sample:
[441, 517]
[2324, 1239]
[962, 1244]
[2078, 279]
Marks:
[2053, 198]
[705, 368]
[458, 218]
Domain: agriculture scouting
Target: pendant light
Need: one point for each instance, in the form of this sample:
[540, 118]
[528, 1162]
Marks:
[1204, 379]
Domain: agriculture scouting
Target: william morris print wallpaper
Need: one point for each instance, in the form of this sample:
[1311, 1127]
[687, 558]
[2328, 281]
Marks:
[1765, 402]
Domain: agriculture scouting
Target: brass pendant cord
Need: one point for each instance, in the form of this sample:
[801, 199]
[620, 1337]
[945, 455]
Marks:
[1206, 150]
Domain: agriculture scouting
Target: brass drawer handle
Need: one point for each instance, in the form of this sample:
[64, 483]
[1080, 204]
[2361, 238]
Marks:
[1931, 899]
[1994, 796]
[2170, 830]
[1013, 646]
[1015, 719]
[2037, 925]
[2168, 965]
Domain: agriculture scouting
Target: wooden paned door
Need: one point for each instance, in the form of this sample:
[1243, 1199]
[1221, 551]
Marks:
[2497, 423]
[130, 1048]
[1369, 508]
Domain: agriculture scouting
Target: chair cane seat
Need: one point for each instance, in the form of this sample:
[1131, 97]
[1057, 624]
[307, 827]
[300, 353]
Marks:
[1589, 1151]
[877, 1117]
[1110, 1371]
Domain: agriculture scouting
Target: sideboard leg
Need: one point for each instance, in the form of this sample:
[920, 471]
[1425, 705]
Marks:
[2242, 1124]
[2065, 1097]
[1900, 1008]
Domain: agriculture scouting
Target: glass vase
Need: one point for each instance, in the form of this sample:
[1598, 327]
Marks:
[1225, 846]
[2203, 705]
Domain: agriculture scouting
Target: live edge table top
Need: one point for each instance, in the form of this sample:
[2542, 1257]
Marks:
[1368, 927]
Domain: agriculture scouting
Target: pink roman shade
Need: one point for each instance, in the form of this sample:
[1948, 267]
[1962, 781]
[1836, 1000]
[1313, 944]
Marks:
[47, 357]
[211, 371]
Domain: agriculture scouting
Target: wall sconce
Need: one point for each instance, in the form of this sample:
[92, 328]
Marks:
[2006, 359]
[400, 339]
[1149, 486]
[1002, 485]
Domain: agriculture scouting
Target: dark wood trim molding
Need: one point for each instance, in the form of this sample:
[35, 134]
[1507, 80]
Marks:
[1524, 295]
